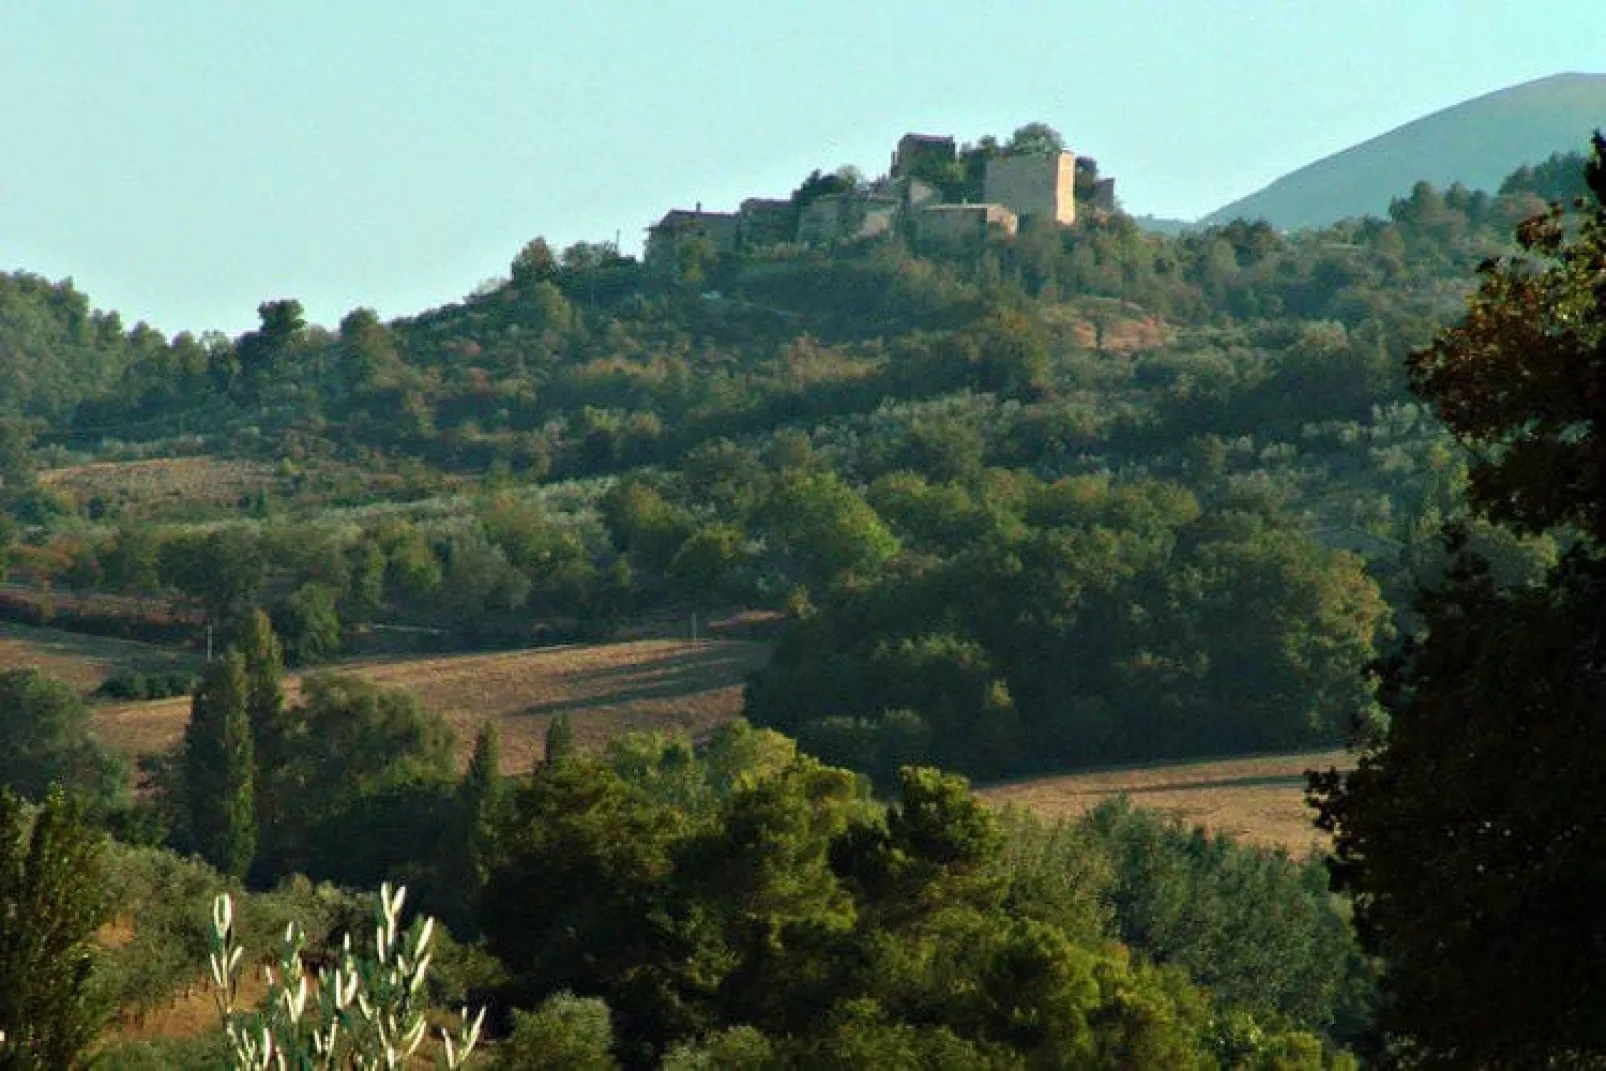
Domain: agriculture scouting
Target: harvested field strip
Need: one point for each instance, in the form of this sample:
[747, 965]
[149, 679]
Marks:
[606, 689]
[1260, 798]
[81, 660]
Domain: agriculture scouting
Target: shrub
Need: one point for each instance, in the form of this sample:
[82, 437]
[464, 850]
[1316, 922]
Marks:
[368, 1012]
[132, 685]
[566, 1033]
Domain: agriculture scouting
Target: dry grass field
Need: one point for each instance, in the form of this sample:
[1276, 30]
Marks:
[669, 685]
[78, 659]
[606, 689]
[1259, 799]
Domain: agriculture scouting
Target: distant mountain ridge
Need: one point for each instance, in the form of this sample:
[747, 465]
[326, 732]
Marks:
[1477, 143]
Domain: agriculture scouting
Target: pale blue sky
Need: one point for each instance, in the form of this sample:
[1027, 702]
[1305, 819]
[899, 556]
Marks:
[184, 160]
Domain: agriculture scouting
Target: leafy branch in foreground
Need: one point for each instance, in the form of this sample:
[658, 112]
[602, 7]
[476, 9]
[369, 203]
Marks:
[365, 1013]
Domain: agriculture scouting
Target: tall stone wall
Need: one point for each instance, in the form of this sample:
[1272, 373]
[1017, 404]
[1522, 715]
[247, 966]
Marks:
[959, 224]
[1041, 187]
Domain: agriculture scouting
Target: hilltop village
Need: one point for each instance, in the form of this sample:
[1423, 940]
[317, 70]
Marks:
[935, 193]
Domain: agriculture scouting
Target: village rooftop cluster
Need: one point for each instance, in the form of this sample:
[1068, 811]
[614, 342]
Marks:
[1017, 188]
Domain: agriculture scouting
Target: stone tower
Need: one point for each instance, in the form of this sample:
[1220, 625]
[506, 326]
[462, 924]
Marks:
[1034, 186]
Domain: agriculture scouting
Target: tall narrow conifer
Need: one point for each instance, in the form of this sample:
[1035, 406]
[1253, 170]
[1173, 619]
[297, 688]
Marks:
[219, 768]
[271, 729]
[479, 798]
[559, 739]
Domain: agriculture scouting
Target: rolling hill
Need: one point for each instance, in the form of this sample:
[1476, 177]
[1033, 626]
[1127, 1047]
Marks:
[1477, 143]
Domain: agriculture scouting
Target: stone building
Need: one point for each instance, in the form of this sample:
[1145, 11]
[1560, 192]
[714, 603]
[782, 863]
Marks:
[877, 216]
[917, 151]
[1014, 187]
[911, 193]
[1034, 186]
[965, 223]
[1103, 198]
[821, 221]
[679, 225]
[848, 217]
[765, 221]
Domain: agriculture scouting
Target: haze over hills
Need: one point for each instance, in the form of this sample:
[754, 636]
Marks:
[1477, 143]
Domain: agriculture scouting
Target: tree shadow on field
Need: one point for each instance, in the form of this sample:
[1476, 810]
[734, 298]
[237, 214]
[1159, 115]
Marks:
[670, 676]
[1201, 785]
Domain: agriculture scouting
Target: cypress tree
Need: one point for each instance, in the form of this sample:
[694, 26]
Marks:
[559, 739]
[479, 800]
[271, 729]
[219, 768]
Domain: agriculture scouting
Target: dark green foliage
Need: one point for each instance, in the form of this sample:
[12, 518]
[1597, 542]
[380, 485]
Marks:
[559, 738]
[478, 579]
[309, 621]
[1035, 139]
[1487, 787]
[219, 768]
[826, 531]
[366, 793]
[133, 685]
[58, 351]
[535, 263]
[164, 901]
[48, 740]
[8, 542]
[1560, 178]
[360, 789]
[1081, 622]
[1471, 832]
[479, 801]
[1229, 357]
[482, 792]
[273, 731]
[411, 568]
[863, 1035]
[357, 735]
[365, 592]
[738, 1048]
[262, 353]
[220, 571]
[750, 905]
[578, 858]
[1257, 930]
[566, 1033]
[17, 465]
[644, 525]
[129, 562]
[53, 897]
